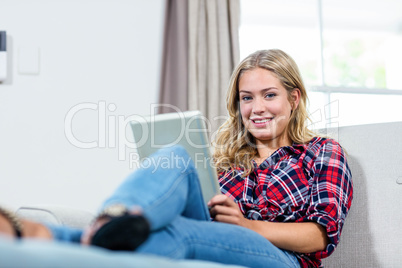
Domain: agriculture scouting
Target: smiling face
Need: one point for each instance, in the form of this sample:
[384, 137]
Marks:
[265, 107]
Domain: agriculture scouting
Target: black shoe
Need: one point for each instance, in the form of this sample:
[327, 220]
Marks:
[126, 232]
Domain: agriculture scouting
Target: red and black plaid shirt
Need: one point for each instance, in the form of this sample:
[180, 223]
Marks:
[300, 183]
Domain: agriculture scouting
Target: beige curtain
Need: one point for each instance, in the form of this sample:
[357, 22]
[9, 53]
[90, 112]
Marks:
[173, 94]
[212, 51]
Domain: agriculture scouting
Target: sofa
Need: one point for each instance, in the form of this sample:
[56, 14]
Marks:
[371, 237]
[58, 254]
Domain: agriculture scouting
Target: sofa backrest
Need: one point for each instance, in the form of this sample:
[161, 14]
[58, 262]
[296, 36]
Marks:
[372, 234]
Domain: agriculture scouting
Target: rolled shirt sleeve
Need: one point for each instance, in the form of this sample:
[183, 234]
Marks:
[331, 193]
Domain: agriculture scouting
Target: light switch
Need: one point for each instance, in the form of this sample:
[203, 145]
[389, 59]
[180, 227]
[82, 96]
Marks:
[28, 60]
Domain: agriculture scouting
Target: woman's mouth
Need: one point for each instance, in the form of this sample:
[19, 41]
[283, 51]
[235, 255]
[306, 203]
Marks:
[261, 121]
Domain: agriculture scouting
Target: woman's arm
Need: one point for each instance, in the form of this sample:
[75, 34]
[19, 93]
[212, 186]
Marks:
[303, 237]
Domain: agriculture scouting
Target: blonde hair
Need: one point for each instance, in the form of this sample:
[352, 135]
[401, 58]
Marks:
[234, 146]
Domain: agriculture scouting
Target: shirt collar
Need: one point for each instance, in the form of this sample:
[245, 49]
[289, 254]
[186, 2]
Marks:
[294, 149]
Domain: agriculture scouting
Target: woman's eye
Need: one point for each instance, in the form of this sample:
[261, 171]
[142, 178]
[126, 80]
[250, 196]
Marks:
[270, 95]
[246, 98]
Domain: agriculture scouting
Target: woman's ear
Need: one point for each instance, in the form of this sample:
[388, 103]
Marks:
[295, 98]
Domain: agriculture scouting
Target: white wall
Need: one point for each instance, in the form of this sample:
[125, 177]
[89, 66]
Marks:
[106, 53]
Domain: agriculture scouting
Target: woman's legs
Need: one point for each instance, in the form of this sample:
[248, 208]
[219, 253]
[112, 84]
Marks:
[187, 238]
[164, 187]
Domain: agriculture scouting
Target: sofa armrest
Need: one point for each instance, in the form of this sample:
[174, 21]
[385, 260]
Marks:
[56, 215]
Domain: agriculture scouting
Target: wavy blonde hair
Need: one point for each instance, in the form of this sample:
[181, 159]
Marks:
[234, 146]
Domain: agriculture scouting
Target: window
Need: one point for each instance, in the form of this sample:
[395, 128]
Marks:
[348, 52]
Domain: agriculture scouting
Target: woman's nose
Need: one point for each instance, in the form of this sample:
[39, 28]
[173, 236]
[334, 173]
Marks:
[258, 106]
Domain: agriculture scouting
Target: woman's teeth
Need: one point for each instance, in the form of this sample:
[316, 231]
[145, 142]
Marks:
[258, 121]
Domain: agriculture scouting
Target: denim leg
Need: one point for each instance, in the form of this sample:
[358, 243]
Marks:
[165, 186]
[187, 238]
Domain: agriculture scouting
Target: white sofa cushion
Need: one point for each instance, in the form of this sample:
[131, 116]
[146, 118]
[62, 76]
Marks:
[372, 234]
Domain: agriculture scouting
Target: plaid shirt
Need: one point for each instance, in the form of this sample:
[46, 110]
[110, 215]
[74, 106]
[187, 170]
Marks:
[299, 183]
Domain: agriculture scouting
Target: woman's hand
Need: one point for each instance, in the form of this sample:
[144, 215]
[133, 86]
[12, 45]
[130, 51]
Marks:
[224, 209]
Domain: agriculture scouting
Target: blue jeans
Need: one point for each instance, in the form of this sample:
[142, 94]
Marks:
[167, 189]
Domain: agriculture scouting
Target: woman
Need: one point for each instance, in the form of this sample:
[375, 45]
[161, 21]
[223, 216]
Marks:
[285, 192]
[293, 188]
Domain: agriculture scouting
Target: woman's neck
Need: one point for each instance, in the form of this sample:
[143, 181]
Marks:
[266, 149]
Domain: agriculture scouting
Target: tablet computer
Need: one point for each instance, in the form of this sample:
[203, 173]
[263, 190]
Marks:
[187, 129]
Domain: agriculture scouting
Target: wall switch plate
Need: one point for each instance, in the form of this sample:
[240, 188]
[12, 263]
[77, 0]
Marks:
[28, 60]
